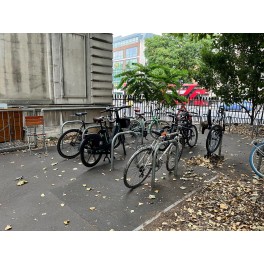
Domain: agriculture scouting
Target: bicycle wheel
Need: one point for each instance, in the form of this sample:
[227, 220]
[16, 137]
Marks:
[214, 138]
[192, 136]
[157, 125]
[89, 150]
[138, 167]
[256, 159]
[69, 142]
[170, 162]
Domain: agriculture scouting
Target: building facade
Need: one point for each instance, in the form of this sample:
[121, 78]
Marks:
[52, 69]
[127, 50]
[56, 75]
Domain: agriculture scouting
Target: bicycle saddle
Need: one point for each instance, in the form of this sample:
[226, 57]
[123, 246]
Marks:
[98, 119]
[81, 113]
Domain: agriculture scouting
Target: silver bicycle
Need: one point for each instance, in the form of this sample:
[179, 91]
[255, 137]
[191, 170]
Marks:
[140, 164]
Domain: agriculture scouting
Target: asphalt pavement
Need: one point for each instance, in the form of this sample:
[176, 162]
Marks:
[63, 194]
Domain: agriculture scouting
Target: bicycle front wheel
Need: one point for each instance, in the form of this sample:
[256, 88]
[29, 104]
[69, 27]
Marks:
[157, 125]
[256, 159]
[69, 142]
[138, 167]
[214, 138]
[170, 162]
[192, 136]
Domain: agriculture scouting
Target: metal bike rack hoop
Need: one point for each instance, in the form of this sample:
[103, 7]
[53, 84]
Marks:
[154, 159]
[113, 144]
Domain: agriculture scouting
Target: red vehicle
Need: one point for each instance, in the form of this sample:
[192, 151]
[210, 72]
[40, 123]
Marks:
[194, 92]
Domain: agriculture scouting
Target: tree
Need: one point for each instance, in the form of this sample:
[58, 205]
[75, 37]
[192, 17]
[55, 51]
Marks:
[176, 51]
[154, 82]
[233, 68]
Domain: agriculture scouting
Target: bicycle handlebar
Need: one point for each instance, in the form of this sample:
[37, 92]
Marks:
[114, 108]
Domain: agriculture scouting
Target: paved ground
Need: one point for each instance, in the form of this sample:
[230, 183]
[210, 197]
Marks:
[58, 189]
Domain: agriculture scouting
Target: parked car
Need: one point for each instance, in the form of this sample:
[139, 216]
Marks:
[238, 107]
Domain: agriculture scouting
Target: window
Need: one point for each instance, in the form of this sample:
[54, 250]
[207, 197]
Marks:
[132, 52]
[117, 68]
[118, 55]
[125, 42]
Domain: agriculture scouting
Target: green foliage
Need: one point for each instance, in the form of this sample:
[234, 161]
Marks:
[153, 82]
[176, 51]
[232, 69]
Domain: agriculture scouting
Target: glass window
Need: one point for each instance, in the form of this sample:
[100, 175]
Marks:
[132, 52]
[118, 55]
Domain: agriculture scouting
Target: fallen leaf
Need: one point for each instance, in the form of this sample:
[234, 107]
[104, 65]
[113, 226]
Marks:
[66, 222]
[8, 227]
[152, 196]
[21, 182]
[223, 206]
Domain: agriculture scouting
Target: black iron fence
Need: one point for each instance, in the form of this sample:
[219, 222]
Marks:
[235, 114]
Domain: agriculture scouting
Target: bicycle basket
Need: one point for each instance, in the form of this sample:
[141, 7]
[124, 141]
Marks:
[124, 122]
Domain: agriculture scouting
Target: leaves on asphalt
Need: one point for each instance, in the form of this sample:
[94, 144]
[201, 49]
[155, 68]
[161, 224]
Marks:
[223, 204]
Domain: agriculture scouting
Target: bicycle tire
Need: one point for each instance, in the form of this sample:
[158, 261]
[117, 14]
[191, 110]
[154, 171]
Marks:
[90, 155]
[214, 138]
[192, 134]
[256, 159]
[157, 125]
[170, 162]
[68, 145]
[143, 166]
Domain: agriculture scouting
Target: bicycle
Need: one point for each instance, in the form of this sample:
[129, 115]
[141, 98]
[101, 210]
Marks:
[68, 145]
[137, 124]
[188, 131]
[256, 157]
[96, 144]
[140, 164]
[216, 129]
[155, 123]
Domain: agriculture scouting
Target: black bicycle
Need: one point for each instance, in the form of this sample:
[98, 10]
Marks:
[183, 123]
[95, 145]
[216, 129]
[69, 142]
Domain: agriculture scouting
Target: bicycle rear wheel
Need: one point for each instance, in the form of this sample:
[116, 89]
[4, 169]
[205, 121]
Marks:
[256, 159]
[89, 150]
[214, 138]
[69, 142]
[138, 167]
